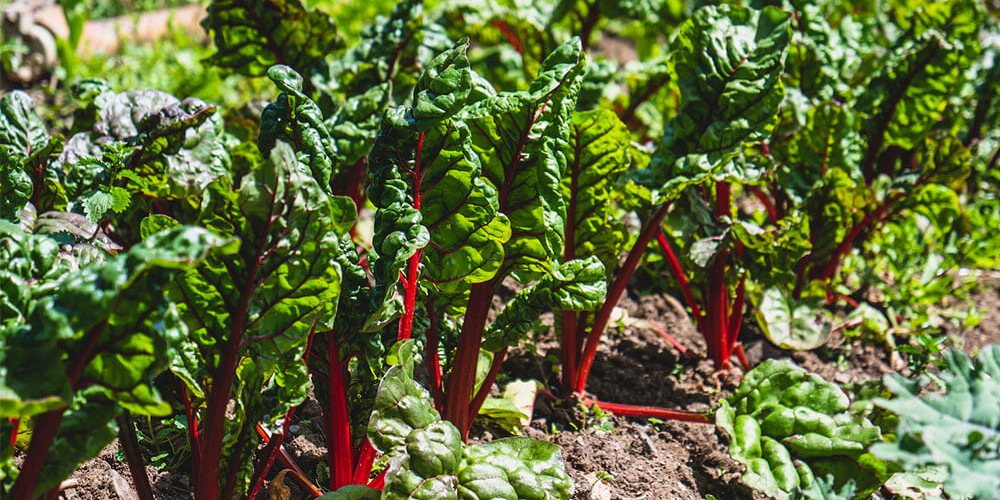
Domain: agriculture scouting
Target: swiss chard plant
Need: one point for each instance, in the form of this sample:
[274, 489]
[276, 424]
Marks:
[863, 145]
[99, 328]
[728, 62]
[790, 428]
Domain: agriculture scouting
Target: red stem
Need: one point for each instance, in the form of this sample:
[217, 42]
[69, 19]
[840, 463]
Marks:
[716, 332]
[666, 336]
[682, 281]
[340, 456]
[736, 313]
[379, 480]
[569, 350]
[772, 212]
[433, 360]
[484, 390]
[830, 268]
[741, 355]
[366, 458]
[192, 427]
[16, 422]
[288, 463]
[133, 456]
[507, 33]
[463, 373]
[413, 266]
[43, 435]
[650, 411]
[649, 229]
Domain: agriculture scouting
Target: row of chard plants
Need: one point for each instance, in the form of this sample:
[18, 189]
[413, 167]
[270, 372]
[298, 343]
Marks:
[169, 257]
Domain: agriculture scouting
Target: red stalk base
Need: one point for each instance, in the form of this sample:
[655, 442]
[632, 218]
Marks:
[649, 411]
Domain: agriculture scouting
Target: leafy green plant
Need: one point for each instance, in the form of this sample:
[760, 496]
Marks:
[427, 455]
[790, 427]
[100, 333]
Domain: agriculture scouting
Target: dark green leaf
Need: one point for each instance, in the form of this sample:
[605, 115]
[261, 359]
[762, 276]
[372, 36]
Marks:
[253, 35]
[728, 62]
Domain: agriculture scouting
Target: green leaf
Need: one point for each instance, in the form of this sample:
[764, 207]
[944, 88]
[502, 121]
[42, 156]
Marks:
[295, 118]
[353, 492]
[391, 49]
[519, 138]
[22, 131]
[909, 95]
[829, 140]
[577, 285]
[790, 427]
[15, 184]
[596, 156]
[253, 35]
[156, 223]
[87, 428]
[728, 62]
[958, 429]
[423, 146]
[791, 323]
[428, 460]
[98, 204]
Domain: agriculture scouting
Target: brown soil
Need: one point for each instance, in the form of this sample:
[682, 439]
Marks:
[612, 457]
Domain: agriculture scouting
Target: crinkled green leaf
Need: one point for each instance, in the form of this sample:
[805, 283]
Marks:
[354, 125]
[21, 129]
[15, 184]
[519, 138]
[282, 279]
[25, 146]
[295, 118]
[253, 35]
[428, 460]
[907, 97]
[728, 62]
[577, 285]
[789, 427]
[353, 492]
[401, 405]
[514, 468]
[391, 49]
[458, 212]
[178, 145]
[792, 323]
[597, 154]
[958, 429]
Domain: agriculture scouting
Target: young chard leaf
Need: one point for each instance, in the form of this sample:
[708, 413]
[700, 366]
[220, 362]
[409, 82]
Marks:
[427, 458]
[789, 427]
